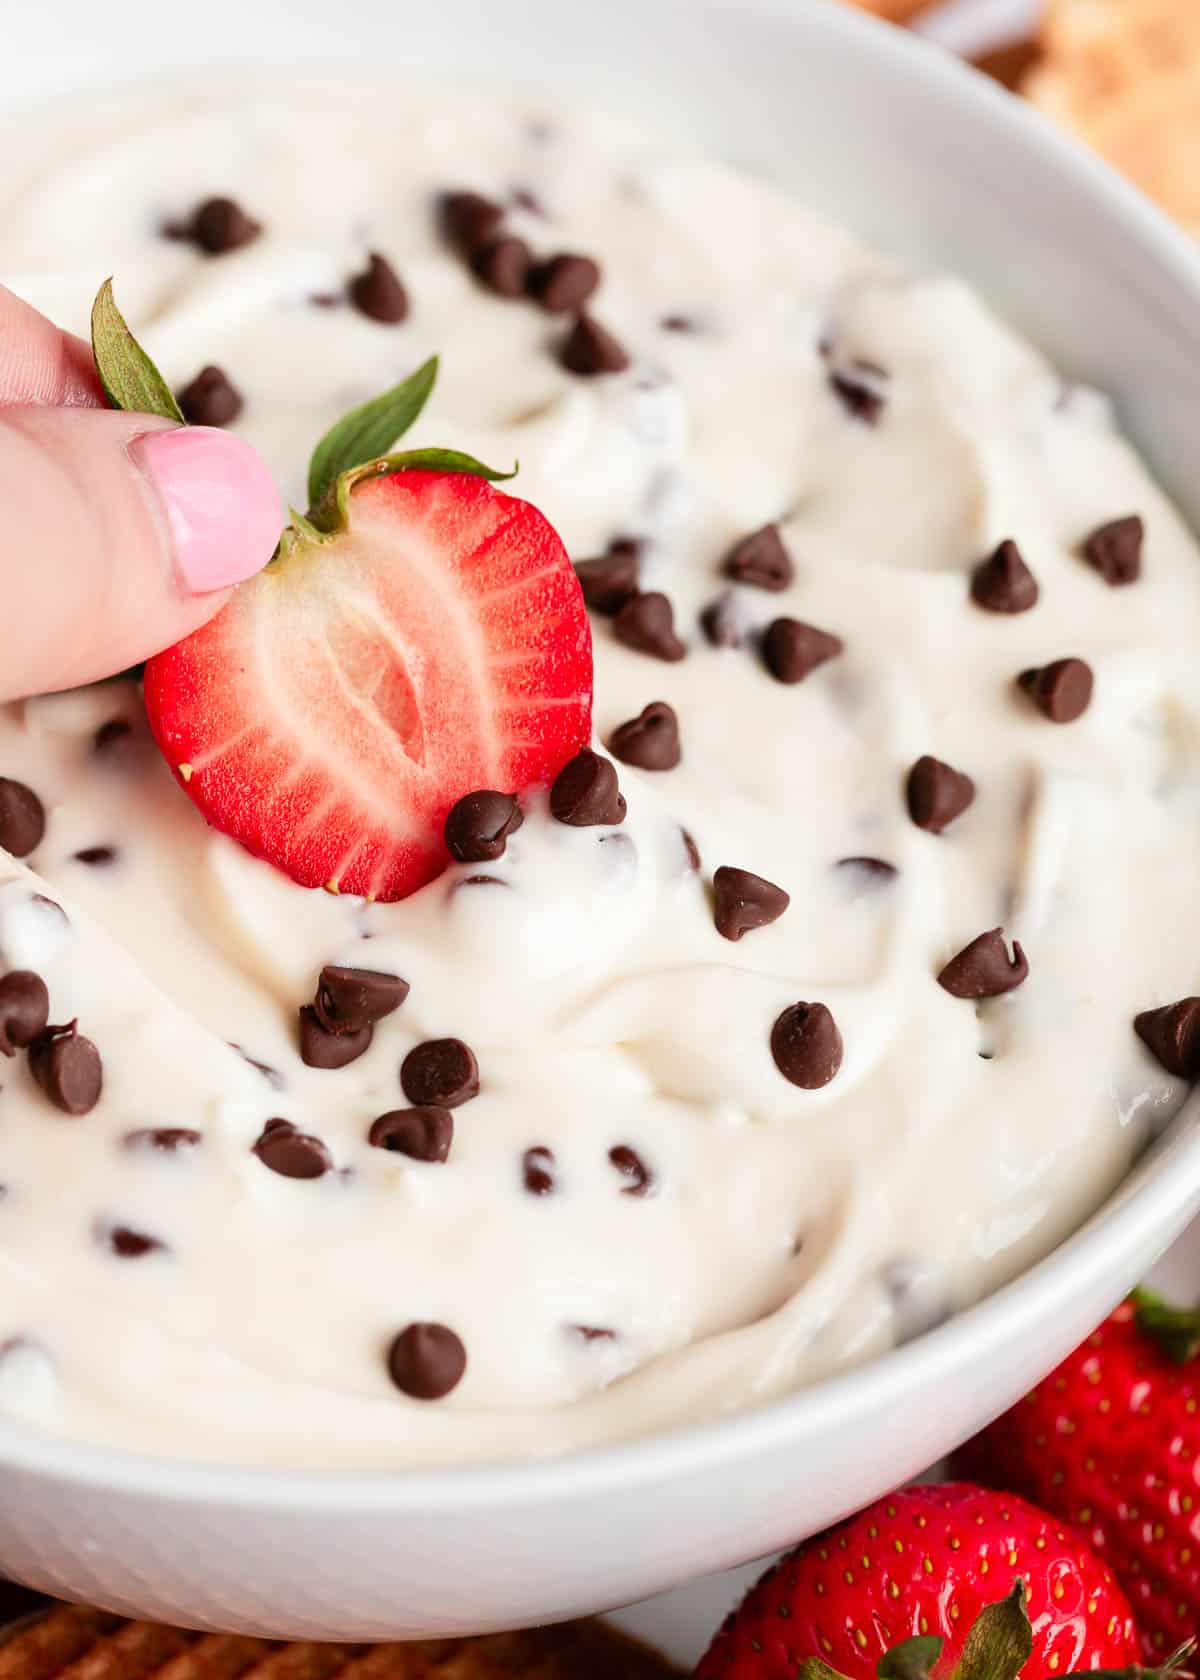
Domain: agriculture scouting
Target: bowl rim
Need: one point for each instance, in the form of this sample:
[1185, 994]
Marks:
[1157, 1196]
[1161, 1203]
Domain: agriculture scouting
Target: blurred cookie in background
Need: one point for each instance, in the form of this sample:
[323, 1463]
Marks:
[897, 11]
[1011, 63]
[73, 1641]
[1124, 75]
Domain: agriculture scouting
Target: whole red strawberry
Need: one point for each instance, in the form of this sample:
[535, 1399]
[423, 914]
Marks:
[418, 636]
[919, 1581]
[1111, 1441]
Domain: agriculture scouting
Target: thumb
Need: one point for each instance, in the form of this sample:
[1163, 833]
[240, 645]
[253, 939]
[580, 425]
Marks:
[119, 535]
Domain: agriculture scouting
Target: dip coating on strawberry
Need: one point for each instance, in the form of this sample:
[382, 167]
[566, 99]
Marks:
[1111, 1442]
[900, 1590]
[419, 635]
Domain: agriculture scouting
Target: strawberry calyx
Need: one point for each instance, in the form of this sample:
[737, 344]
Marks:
[1176, 1330]
[418, 635]
[997, 1647]
[353, 449]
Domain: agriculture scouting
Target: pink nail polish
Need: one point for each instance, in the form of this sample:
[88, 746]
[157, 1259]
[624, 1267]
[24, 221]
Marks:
[219, 501]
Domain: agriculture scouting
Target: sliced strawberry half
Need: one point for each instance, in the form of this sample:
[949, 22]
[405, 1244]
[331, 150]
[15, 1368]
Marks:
[419, 635]
[338, 706]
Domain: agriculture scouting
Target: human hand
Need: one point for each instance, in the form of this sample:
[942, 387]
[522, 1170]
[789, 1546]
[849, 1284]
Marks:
[119, 533]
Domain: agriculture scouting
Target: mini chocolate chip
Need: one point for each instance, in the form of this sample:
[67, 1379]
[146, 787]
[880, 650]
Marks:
[272, 1075]
[503, 264]
[167, 1140]
[377, 292]
[68, 1068]
[22, 818]
[325, 300]
[24, 1010]
[762, 560]
[290, 1153]
[677, 324]
[320, 1048]
[349, 999]
[807, 1045]
[108, 734]
[441, 1073]
[423, 1134]
[936, 794]
[212, 399]
[1003, 582]
[1172, 1035]
[564, 283]
[1115, 550]
[219, 225]
[592, 1332]
[646, 623]
[590, 348]
[630, 1165]
[537, 1170]
[586, 794]
[649, 741]
[793, 650]
[691, 850]
[870, 871]
[97, 857]
[479, 825]
[860, 400]
[1061, 691]
[983, 969]
[743, 901]
[131, 1245]
[609, 581]
[426, 1361]
[469, 220]
[721, 621]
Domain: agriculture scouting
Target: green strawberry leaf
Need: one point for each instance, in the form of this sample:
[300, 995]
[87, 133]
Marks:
[442, 460]
[365, 433]
[912, 1659]
[1175, 1329]
[999, 1644]
[130, 379]
[332, 513]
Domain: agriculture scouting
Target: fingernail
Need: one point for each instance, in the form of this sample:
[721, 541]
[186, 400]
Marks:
[219, 501]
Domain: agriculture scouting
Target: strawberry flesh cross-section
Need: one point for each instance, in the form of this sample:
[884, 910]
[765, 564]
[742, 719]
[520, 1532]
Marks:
[333, 712]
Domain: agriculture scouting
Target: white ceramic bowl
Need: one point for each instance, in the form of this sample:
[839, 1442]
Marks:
[887, 135]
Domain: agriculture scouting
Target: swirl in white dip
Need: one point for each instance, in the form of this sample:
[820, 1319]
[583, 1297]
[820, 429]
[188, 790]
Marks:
[786, 1232]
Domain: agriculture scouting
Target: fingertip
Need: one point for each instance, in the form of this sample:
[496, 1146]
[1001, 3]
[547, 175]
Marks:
[219, 502]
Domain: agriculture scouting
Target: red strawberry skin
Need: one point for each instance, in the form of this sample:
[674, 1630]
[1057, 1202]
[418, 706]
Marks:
[1111, 1442]
[926, 1560]
[343, 700]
